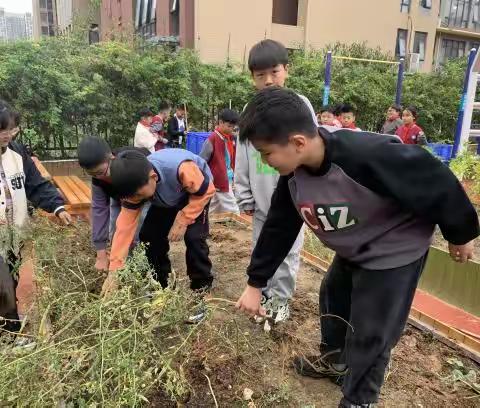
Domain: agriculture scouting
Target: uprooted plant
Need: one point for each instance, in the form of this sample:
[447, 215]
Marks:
[86, 350]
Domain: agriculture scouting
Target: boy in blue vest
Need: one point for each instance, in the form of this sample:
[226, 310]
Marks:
[344, 185]
[178, 185]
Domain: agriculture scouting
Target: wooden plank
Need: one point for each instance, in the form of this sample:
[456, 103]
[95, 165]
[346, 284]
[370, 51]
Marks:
[82, 186]
[41, 168]
[76, 189]
[70, 195]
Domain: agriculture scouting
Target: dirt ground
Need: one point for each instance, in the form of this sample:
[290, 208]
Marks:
[418, 366]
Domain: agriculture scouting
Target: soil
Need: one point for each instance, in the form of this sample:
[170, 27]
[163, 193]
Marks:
[261, 361]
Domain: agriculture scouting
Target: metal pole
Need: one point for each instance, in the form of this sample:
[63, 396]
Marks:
[401, 69]
[328, 69]
[463, 100]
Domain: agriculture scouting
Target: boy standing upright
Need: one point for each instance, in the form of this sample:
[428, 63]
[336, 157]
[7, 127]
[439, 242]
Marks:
[177, 126]
[346, 188]
[219, 153]
[144, 137]
[255, 181]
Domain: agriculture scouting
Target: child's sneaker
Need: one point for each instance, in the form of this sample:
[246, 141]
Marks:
[266, 303]
[315, 367]
[281, 312]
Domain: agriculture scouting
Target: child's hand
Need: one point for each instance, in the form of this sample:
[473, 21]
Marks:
[461, 253]
[101, 263]
[65, 217]
[110, 285]
[177, 231]
[249, 302]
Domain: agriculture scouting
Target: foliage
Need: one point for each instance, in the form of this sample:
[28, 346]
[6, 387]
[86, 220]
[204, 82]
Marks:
[467, 168]
[461, 375]
[65, 88]
[93, 352]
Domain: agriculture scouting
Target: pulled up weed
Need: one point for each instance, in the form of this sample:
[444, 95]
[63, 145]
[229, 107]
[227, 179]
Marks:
[88, 351]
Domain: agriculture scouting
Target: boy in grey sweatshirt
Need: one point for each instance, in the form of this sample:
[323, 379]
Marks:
[255, 181]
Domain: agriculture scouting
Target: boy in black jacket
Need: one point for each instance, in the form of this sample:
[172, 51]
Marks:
[19, 181]
[375, 202]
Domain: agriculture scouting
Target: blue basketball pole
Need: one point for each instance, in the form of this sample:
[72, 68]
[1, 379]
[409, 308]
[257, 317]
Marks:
[463, 101]
[401, 70]
[328, 74]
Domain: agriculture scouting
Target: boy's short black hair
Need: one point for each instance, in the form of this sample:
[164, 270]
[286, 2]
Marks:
[273, 115]
[145, 112]
[229, 115]
[347, 108]
[92, 151]
[5, 115]
[129, 171]
[267, 54]
[180, 106]
[327, 108]
[164, 105]
[413, 110]
[396, 107]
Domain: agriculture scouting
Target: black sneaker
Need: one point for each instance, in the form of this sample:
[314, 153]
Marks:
[347, 404]
[315, 367]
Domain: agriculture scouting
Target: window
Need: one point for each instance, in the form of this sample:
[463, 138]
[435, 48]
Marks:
[153, 10]
[457, 13]
[174, 17]
[404, 6]
[419, 44]
[49, 4]
[44, 18]
[426, 4]
[401, 45]
[50, 17]
[144, 12]
[44, 30]
[43, 3]
[452, 49]
[138, 13]
[285, 12]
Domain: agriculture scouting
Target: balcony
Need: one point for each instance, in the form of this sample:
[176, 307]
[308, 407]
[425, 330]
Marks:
[462, 16]
[292, 36]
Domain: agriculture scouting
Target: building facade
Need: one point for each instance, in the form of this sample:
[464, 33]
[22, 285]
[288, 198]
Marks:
[44, 18]
[424, 32]
[15, 26]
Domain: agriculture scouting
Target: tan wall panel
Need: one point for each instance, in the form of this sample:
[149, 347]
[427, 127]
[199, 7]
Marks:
[246, 22]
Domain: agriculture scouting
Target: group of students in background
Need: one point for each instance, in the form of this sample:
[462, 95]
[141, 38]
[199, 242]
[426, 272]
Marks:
[288, 174]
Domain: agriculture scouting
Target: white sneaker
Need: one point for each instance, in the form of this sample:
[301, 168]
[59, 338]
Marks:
[266, 303]
[280, 313]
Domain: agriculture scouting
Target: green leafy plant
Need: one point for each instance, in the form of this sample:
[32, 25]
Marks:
[462, 376]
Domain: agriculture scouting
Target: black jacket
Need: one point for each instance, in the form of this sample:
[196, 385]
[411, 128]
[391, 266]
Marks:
[172, 131]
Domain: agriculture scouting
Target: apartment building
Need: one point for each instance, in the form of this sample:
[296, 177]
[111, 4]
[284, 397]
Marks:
[44, 18]
[15, 26]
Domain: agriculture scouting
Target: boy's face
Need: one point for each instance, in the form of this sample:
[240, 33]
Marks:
[226, 127]
[145, 192]
[147, 120]
[6, 136]
[102, 171]
[392, 114]
[407, 117]
[326, 118]
[180, 113]
[283, 158]
[274, 76]
[164, 114]
[347, 119]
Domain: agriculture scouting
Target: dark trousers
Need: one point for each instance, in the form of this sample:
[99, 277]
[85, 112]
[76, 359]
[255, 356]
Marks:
[376, 303]
[8, 299]
[154, 233]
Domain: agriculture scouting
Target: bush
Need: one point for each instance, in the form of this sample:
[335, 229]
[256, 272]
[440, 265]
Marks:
[65, 89]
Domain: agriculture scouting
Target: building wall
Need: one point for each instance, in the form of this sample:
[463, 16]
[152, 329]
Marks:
[116, 17]
[227, 29]
[42, 28]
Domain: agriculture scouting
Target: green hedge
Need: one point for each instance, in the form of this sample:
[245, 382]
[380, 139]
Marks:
[65, 89]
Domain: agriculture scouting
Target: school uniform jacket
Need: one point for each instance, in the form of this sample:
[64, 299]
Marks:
[374, 200]
[26, 183]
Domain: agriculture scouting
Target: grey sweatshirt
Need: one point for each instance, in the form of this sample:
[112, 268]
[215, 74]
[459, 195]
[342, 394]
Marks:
[256, 181]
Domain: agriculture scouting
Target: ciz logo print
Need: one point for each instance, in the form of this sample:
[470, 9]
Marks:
[331, 217]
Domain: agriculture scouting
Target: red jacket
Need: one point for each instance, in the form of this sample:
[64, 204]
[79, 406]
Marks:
[213, 152]
[410, 134]
[157, 120]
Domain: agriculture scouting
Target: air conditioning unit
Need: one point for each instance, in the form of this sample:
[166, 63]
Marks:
[414, 62]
